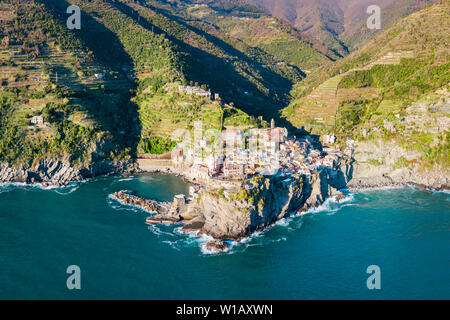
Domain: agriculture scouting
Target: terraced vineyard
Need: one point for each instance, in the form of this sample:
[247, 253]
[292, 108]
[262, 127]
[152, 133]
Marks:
[46, 71]
[270, 34]
[162, 114]
[393, 70]
[318, 110]
[394, 89]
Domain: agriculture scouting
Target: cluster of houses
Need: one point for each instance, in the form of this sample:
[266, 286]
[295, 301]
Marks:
[199, 92]
[37, 120]
[256, 151]
[195, 90]
[300, 156]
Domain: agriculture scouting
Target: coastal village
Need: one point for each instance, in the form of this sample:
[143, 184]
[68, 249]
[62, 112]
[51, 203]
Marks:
[244, 180]
[242, 154]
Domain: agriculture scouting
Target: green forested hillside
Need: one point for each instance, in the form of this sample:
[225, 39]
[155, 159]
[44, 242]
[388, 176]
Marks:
[247, 25]
[45, 70]
[378, 90]
[106, 89]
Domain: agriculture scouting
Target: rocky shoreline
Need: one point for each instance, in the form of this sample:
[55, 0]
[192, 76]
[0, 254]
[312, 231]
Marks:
[224, 210]
[234, 210]
[59, 173]
[65, 174]
[379, 164]
[377, 186]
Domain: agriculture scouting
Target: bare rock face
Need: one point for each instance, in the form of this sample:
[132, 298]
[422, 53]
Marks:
[261, 201]
[222, 218]
[379, 164]
[323, 185]
[193, 225]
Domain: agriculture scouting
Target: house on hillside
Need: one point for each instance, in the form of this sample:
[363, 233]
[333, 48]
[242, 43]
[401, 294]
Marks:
[214, 163]
[37, 120]
[232, 137]
[195, 90]
[329, 139]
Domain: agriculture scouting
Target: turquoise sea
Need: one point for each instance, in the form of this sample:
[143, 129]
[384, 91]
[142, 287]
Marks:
[320, 255]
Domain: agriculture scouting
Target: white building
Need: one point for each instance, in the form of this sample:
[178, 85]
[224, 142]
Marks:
[195, 90]
[37, 120]
[329, 139]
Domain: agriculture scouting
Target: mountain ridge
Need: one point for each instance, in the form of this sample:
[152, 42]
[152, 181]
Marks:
[340, 24]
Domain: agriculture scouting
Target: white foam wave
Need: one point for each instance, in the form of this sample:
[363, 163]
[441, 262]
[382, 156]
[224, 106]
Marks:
[282, 222]
[158, 231]
[8, 186]
[348, 198]
[67, 189]
[11, 185]
[126, 179]
[440, 191]
[326, 206]
[279, 240]
[369, 189]
[332, 205]
[172, 244]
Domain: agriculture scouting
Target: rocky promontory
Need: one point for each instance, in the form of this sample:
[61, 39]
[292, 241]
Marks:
[259, 202]
[233, 210]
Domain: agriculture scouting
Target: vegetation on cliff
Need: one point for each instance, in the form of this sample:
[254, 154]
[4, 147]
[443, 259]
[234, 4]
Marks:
[395, 88]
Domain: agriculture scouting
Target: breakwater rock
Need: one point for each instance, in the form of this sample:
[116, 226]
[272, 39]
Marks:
[216, 246]
[161, 208]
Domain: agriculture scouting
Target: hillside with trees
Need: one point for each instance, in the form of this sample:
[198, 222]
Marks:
[394, 88]
[107, 90]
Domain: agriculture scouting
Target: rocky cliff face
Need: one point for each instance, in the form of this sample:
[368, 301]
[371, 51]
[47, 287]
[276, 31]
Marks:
[382, 163]
[261, 201]
[408, 148]
[58, 172]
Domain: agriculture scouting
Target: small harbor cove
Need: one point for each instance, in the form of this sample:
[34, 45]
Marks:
[323, 253]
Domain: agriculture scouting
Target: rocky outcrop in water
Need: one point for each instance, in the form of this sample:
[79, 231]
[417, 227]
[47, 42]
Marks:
[216, 246]
[233, 211]
[257, 204]
[145, 204]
